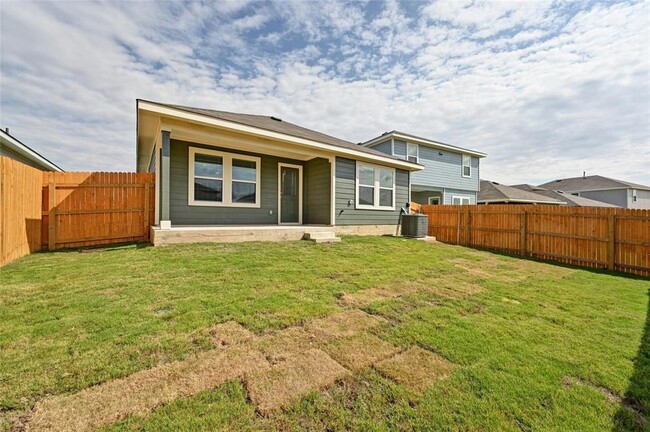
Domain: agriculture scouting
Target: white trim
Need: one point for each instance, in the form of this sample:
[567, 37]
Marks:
[226, 181]
[427, 142]
[179, 113]
[20, 148]
[299, 167]
[376, 187]
[438, 198]
[462, 165]
[392, 146]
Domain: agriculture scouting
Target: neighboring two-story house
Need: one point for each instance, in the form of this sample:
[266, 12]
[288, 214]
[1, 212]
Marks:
[617, 192]
[450, 174]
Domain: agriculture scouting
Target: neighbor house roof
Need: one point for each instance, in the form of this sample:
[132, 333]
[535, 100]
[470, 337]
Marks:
[591, 183]
[571, 200]
[493, 192]
[419, 140]
[278, 125]
[21, 152]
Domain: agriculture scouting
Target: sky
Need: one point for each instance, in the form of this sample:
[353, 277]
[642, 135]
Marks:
[547, 89]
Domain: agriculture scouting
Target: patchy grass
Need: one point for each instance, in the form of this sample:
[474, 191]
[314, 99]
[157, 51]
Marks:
[537, 346]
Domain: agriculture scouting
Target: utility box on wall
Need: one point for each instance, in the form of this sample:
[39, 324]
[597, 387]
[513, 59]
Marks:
[415, 225]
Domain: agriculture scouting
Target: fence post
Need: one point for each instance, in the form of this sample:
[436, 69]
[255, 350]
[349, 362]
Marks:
[51, 234]
[458, 228]
[522, 234]
[467, 223]
[611, 258]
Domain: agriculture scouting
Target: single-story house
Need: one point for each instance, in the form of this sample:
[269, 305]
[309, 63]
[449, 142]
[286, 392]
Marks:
[228, 175]
[617, 192]
[496, 193]
[570, 199]
[14, 149]
[450, 176]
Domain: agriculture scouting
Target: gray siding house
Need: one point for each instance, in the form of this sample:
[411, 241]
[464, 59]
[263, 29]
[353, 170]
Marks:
[619, 193]
[217, 169]
[451, 174]
[14, 149]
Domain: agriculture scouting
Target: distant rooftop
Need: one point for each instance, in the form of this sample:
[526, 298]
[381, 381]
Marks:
[592, 182]
[493, 192]
[571, 200]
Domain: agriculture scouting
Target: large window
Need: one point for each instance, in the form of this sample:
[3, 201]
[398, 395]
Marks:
[467, 166]
[375, 187]
[223, 179]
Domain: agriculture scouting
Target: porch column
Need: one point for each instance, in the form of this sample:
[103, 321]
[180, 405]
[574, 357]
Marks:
[165, 221]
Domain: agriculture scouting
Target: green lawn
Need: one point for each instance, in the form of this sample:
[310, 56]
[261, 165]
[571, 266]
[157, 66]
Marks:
[539, 346]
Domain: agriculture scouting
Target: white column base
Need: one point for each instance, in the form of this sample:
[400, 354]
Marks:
[165, 224]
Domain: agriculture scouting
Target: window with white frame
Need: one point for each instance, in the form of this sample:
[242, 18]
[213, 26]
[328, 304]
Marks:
[375, 187]
[223, 179]
[633, 195]
[457, 200]
[467, 166]
[412, 152]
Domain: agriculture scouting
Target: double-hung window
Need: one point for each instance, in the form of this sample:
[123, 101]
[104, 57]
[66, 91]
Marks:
[223, 179]
[456, 200]
[375, 187]
[467, 166]
[412, 152]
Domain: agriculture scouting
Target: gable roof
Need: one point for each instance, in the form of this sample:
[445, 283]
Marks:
[275, 124]
[419, 140]
[571, 200]
[22, 150]
[591, 183]
[493, 192]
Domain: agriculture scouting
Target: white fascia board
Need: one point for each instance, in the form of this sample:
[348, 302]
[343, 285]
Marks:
[171, 112]
[20, 148]
[424, 142]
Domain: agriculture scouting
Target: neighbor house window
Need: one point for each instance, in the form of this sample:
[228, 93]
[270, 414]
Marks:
[467, 166]
[633, 195]
[456, 200]
[223, 179]
[412, 153]
[375, 187]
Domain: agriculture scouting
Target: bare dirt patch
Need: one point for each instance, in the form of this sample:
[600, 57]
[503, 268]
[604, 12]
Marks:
[143, 391]
[288, 381]
[360, 351]
[342, 324]
[229, 333]
[416, 368]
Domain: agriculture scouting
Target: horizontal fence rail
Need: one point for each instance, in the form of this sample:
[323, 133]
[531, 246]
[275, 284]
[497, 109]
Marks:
[94, 208]
[612, 238]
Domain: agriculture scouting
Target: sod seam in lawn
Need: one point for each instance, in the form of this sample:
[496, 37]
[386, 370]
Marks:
[540, 346]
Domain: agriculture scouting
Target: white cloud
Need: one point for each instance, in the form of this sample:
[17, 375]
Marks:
[545, 89]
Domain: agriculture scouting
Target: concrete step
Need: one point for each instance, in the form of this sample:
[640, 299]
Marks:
[322, 237]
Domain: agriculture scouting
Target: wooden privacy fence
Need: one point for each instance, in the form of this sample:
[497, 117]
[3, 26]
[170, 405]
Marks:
[93, 208]
[617, 239]
[20, 209]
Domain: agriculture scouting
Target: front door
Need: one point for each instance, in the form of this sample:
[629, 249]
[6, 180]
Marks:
[290, 200]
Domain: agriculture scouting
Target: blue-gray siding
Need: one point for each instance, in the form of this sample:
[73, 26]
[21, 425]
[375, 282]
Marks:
[400, 148]
[317, 187]
[347, 214]
[384, 147]
[183, 214]
[445, 170]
